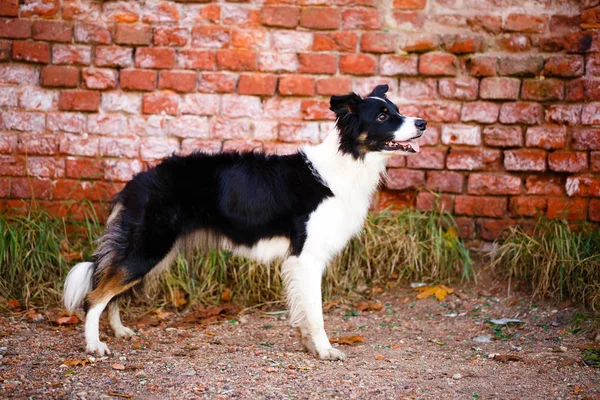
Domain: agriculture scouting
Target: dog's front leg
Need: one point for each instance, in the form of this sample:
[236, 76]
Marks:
[302, 278]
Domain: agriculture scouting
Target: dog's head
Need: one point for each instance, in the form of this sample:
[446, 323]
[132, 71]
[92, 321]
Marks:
[374, 124]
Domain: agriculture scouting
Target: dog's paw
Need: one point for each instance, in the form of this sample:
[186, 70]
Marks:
[99, 348]
[332, 354]
[124, 332]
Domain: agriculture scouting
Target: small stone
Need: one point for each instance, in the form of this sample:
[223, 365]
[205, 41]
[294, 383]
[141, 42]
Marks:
[457, 376]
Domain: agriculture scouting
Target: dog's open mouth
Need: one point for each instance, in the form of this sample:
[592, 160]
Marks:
[410, 146]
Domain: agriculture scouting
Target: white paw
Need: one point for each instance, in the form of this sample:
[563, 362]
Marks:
[124, 332]
[99, 348]
[332, 354]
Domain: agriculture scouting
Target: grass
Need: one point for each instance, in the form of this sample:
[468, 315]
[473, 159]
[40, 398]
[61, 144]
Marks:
[37, 250]
[554, 261]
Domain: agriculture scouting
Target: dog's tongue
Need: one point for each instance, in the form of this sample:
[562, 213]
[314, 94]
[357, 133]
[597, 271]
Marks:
[412, 143]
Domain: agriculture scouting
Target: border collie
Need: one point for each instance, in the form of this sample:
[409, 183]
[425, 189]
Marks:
[302, 208]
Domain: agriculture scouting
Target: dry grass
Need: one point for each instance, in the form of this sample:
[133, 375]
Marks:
[554, 262]
[37, 251]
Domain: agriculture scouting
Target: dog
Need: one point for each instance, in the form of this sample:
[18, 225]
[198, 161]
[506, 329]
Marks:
[302, 208]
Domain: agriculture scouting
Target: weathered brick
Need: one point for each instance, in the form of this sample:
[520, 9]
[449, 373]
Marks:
[514, 43]
[249, 38]
[333, 86]
[568, 114]
[236, 60]
[133, 34]
[277, 62]
[38, 99]
[438, 64]
[361, 18]
[583, 186]
[88, 168]
[459, 88]
[107, 124]
[67, 122]
[482, 65]
[299, 132]
[413, 89]
[99, 78]
[583, 42]
[420, 42]
[493, 184]
[440, 111]
[335, 41]
[503, 136]
[408, 21]
[480, 206]
[566, 161]
[427, 201]
[25, 188]
[155, 57]
[187, 126]
[171, 36]
[138, 79]
[200, 104]
[391, 65]
[130, 103]
[461, 134]
[121, 170]
[527, 206]
[37, 52]
[595, 161]
[526, 23]
[232, 129]
[77, 145]
[461, 44]
[569, 209]
[52, 31]
[296, 85]
[76, 10]
[548, 137]
[23, 121]
[92, 33]
[114, 56]
[15, 28]
[160, 103]
[493, 229]
[315, 110]
[582, 89]
[357, 64]
[320, 17]
[525, 160]
[378, 42]
[590, 114]
[445, 181]
[161, 11]
[545, 185]
[473, 159]
[37, 144]
[210, 36]
[217, 82]
[197, 59]
[521, 113]
[206, 146]
[402, 179]
[279, 16]
[592, 65]
[180, 81]
[233, 105]
[543, 90]
[156, 148]
[500, 88]
[519, 65]
[564, 66]
[480, 111]
[291, 41]
[147, 125]
[428, 158]
[594, 210]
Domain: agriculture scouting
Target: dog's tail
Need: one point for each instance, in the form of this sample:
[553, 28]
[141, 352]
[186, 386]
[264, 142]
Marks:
[77, 285]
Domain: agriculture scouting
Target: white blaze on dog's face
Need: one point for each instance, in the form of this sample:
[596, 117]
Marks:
[374, 124]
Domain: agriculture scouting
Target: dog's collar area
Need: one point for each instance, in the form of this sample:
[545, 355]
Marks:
[314, 171]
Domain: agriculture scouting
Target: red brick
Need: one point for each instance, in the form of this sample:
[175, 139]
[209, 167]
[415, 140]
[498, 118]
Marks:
[500, 88]
[570, 209]
[480, 206]
[91, 168]
[161, 11]
[155, 57]
[445, 181]
[409, 4]
[590, 115]
[79, 100]
[210, 36]
[583, 186]
[493, 184]
[503, 136]
[40, 8]
[114, 56]
[583, 42]
[461, 44]
[335, 41]
[236, 60]
[482, 65]
[391, 65]
[25, 188]
[521, 113]
[92, 34]
[196, 59]
[414, 89]
[427, 201]
[564, 23]
[420, 42]
[317, 63]
[428, 158]
[391, 200]
[334, 86]
[283, 17]
[12, 166]
[566, 161]
[133, 34]
[37, 52]
[9, 8]
[138, 79]
[551, 44]
[409, 21]
[180, 81]
[545, 185]
[494, 229]
[216, 82]
[543, 90]
[52, 31]
[249, 38]
[595, 161]
[480, 111]
[76, 10]
[582, 89]
[568, 114]
[521, 65]
[160, 102]
[37, 144]
[99, 78]
[438, 64]
[5, 47]
[378, 42]
[473, 159]
[548, 137]
[514, 43]
[320, 17]
[525, 160]
[361, 18]
[594, 210]
[527, 206]
[71, 54]
[358, 64]
[257, 84]
[525, 23]
[459, 88]
[461, 134]
[171, 36]
[440, 112]
[316, 110]
[466, 227]
[592, 66]
[564, 65]
[402, 179]
[15, 28]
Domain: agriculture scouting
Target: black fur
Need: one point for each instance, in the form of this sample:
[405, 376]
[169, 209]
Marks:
[244, 197]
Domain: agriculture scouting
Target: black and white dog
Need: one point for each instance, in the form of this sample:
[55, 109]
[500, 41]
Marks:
[302, 208]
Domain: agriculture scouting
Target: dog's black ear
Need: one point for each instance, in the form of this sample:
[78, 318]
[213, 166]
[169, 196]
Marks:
[379, 91]
[341, 105]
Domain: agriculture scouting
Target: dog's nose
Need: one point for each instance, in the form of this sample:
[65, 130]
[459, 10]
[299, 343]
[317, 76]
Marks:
[421, 124]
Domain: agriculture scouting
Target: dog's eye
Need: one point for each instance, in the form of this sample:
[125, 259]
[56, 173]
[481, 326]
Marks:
[382, 117]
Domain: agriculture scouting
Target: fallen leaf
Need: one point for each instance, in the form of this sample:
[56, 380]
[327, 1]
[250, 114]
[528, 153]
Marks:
[13, 304]
[439, 291]
[35, 316]
[379, 357]
[68, 254]
[161, 314]
[271, 369]
[330, 305]
[348, 340]
[72, 320]
[369, 306]
[178, 298]
[119, 367]
[438, 342]
[226, 295]
[121, 395]
[74, 363]
[506, 357]
[136, 346]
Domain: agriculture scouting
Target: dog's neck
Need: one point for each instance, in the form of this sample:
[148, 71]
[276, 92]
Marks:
[344, 174]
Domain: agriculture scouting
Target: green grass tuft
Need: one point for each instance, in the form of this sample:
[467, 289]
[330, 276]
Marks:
[554, 261]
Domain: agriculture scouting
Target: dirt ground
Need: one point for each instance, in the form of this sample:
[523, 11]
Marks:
[412, 349]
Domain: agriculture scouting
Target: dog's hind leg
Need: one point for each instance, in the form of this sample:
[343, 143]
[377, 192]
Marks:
[114, 318]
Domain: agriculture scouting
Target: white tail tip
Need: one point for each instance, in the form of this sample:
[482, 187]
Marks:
[77, 285]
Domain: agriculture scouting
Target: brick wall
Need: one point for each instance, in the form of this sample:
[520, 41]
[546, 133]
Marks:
[92, 92]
